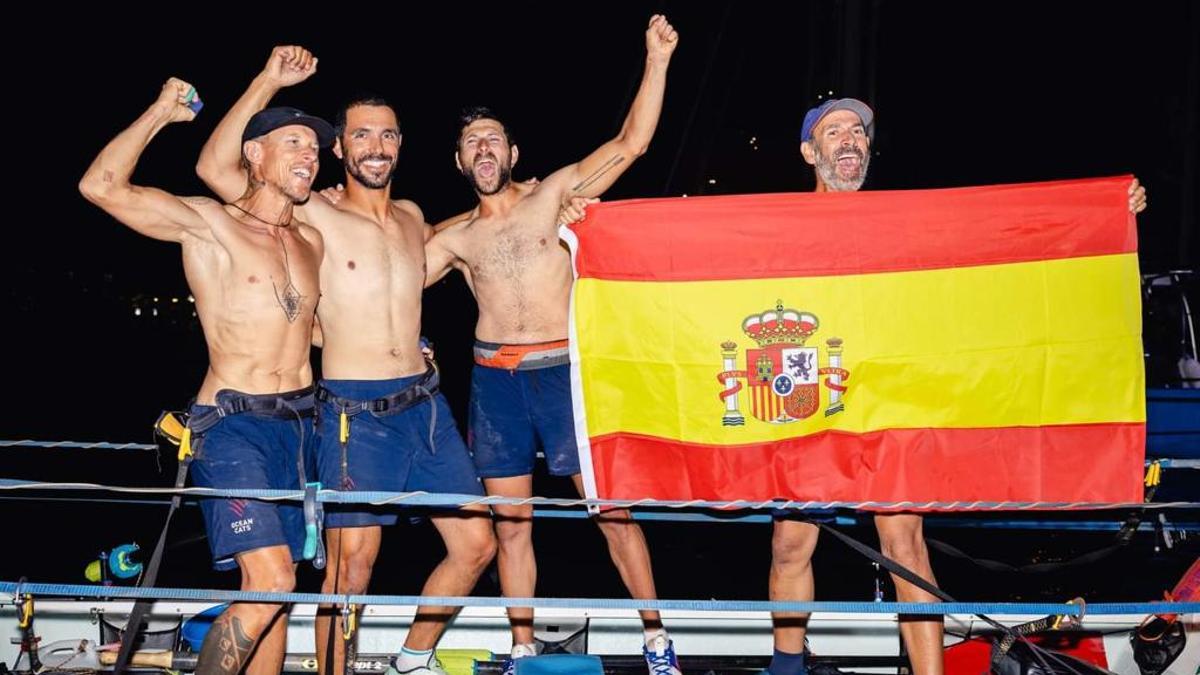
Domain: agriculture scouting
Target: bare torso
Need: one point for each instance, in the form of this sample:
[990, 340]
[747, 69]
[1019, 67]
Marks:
[518, 270]
[372, 277]
[256, 291]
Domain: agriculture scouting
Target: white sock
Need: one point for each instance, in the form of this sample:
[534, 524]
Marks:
[653, 635]
[411, 659]
[523, 649]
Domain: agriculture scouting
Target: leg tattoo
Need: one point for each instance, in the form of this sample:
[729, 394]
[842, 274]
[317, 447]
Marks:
[226, 648]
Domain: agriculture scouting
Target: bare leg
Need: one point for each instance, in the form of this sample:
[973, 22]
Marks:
[518, 568]
[901, 538]
[470, 547]
[791, 578]
[351, 553]
[629, 552]
[267, 658]
[233, 636]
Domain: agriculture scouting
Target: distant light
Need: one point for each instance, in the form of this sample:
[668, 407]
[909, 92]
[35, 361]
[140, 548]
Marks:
[712, 181]
[156, 299]
[155, 311]
[753, 140]
[831, 92]
[685, 194]
[174, 299]
[190, 298]
[137, 311]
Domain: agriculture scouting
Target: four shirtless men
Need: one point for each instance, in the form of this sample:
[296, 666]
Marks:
[275, 269]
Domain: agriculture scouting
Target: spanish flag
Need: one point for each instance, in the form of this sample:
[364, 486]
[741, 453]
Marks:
[971, 344]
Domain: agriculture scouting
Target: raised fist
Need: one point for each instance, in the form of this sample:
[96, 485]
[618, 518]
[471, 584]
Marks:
[661, 38]
[290, 64]
[174, 99]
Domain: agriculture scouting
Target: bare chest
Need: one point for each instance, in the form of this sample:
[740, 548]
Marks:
[365, 254]
[513, 249]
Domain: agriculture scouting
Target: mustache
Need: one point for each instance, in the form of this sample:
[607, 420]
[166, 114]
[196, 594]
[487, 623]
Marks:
[379, 156]
[842, 152]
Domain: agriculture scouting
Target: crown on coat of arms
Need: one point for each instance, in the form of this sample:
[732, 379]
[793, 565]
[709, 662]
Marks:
[780, 326]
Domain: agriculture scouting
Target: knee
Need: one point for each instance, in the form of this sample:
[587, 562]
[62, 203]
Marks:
[513, 534]
[619, 527]
[276, 579]
[351, 575]
[485, 551]
[792, 546]
[479, 548]
[906, 547]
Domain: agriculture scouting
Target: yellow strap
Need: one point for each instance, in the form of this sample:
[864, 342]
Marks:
[185, 444]
[1153, 474]
[26, 612]
[349, 624]
[344, 428]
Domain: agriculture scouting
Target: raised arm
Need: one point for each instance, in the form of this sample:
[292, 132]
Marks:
[599, 170]
[149, 211]
[220, 164]
[440, 255]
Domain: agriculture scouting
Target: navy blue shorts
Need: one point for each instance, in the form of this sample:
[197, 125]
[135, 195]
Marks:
[513, 411]
[258, 451]
[389, 452]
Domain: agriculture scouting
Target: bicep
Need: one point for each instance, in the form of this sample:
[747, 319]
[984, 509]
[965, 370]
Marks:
[158, 214]
[439, 259]
[228, 184]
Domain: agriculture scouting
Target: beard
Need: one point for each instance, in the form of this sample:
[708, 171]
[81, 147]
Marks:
[503, 177]
[827, 169]
[297, 194]
[365, 178]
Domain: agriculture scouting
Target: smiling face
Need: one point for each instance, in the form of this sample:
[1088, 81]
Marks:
[285, 159]
[840, 151]
[485, 156]
[370, 144]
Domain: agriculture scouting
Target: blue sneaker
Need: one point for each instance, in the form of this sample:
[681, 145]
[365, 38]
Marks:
[660, 657]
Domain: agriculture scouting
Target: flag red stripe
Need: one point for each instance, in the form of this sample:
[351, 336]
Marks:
[823, 234]
[1095, 462]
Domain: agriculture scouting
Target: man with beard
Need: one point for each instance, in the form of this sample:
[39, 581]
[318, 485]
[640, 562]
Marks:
[382, 424]
[252, 267]
[836, 140]
[509, 252]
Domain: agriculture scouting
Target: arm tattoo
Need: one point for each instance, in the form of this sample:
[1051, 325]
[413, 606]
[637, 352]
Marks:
[583, 184]
[226, 648]
[108, 176]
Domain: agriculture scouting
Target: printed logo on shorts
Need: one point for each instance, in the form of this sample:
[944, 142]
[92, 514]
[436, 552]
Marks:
[242, 524]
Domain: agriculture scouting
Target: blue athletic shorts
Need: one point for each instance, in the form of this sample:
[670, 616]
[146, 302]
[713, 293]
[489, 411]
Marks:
[514, 411]
[389, 452]
[256, 451]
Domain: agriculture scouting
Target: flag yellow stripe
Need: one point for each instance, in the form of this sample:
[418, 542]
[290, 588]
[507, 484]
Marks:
[1027, 344]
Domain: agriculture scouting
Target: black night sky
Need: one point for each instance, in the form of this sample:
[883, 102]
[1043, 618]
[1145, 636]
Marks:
[965, 93]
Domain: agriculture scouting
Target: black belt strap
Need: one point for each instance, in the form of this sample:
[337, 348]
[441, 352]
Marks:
[392, 404]
[912, 578]
[142, 606]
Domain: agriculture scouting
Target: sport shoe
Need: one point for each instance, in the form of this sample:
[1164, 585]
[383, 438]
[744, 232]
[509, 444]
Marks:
[434, 667]
[518, 652]
[660, 657]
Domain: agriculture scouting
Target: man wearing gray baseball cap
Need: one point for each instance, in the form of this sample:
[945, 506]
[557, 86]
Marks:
[836, 139]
